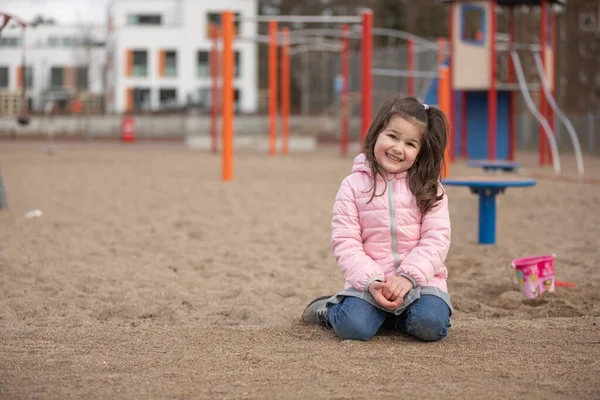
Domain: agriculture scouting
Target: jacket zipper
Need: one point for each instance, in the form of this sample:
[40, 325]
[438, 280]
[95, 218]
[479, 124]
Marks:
[390, 188]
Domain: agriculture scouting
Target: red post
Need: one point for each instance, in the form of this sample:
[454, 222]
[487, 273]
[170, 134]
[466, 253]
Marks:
[214, 73]
[285, 91]
[511, 79]
[452, 103]
[463, 126]
[552, 61]
[410, 81]
[543, 34]
[272, 87]
[227, 95]
[492, 93]
[345, 101]
[367, 77]
[128, 129]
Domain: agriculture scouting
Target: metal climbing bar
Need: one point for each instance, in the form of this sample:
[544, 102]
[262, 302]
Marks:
[527, 96]
[559, 113]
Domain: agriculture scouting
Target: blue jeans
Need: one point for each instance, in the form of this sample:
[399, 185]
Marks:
[427, 319]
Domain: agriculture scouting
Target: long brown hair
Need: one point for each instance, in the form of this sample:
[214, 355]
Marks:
[425, 173]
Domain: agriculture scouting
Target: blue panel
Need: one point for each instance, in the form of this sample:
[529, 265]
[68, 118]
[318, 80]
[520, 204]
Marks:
[431, 95]
[477, 125]
[465, 9]
[502, 125]
[458, 123]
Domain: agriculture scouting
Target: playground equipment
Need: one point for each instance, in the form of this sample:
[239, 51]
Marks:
[227, 22]
[487, 188]
[304, 40]
[486, 103]
[23, 116]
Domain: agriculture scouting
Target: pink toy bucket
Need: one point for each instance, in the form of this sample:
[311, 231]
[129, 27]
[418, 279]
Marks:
[535, 275]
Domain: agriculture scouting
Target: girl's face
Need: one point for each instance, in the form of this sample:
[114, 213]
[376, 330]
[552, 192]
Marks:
[397, 145]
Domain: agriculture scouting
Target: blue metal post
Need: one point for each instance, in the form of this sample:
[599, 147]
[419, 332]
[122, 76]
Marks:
[487, 216]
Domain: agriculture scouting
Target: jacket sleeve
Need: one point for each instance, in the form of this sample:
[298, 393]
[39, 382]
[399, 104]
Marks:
[427, 258]
[359, 269]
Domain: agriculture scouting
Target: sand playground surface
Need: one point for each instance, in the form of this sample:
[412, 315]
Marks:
[148, 277]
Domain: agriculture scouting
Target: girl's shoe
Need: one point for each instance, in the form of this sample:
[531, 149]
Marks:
[316, 311]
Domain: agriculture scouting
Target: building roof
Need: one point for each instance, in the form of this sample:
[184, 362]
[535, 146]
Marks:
[512, 3]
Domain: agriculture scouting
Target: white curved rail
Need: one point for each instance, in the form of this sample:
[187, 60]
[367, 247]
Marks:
[559, 113]
[525, 92]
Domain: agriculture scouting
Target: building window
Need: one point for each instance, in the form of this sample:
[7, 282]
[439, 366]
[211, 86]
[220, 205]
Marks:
[68, 41]
[588, 21]
[171, 63]
[28, 77]
[141, 99]
[215, 18]
[202, 64]
[237, 64]
[56, 77]
[82, 78]
[473, 24]
[204, 96]
[4, 77]
[10, 41]
[236, 99]
[144, 19]
[52, 41]
[140, 63]
[168, 98]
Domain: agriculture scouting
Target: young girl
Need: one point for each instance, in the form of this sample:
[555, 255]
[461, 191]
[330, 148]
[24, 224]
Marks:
[391, 230]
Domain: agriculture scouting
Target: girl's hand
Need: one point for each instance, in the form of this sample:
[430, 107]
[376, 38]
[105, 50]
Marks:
[396, 287]
[376, 291]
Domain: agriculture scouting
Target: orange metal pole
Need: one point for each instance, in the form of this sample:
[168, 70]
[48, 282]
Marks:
[272, 88]
[285, 91]
[227, 159]
[444, 99]
[214, 73]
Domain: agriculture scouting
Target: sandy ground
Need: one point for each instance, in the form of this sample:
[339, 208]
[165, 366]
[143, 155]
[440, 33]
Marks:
[148, 277]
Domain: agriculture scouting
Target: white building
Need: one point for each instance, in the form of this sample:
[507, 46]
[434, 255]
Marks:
[61, 62]
[158, 54]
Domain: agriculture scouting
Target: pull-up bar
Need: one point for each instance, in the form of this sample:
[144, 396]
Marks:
[228, 19]
[301, 19]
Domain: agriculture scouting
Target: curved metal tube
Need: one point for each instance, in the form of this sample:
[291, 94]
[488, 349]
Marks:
[559, 113]
[525, 92]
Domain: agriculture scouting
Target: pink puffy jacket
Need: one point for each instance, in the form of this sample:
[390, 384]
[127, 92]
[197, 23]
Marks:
[388, 236]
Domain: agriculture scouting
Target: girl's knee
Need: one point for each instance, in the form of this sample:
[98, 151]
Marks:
[428, 327]
[354, 331]
[347, 327]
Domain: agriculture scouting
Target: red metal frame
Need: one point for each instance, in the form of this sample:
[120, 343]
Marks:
[492, 93]
[214, 69]
[552, 34]
[285, 91]
[512, 95]
[452, 103]
[543, 102]
[345, 103]
[272, 88]
[410, 81]
[367, 77]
